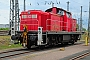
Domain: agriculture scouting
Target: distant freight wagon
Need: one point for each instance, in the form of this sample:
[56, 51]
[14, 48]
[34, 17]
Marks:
[54, 26]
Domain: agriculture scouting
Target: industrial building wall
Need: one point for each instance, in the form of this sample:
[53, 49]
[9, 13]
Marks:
[4, 25]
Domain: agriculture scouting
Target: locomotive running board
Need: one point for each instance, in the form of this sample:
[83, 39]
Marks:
[63, 32]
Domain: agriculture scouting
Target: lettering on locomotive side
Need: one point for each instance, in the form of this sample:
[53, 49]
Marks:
[29, 16]
[32, 16]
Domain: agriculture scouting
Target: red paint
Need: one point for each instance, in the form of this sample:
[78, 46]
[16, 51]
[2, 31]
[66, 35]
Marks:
[54, 10]
[74, 25]
[49, 21]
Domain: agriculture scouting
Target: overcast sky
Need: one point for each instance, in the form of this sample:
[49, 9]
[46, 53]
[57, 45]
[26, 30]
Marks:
[74, 8]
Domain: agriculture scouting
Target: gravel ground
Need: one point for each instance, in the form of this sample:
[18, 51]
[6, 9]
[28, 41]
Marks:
[54, 54]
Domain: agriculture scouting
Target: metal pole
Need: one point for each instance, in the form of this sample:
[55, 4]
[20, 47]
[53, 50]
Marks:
[68, 6]
[86, 41]
[78, 25]
[10, 16]
[81, 20]
[16, 15]
[52, 4]
[16, 2]
[24, 6]
[12, 13]
[89, 22]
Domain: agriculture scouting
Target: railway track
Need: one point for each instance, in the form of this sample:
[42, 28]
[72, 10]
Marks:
[80, 56]
[6, 55]
[14, 53]
[3, 32]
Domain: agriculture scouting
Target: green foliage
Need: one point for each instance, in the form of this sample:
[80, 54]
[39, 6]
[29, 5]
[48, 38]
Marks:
[9, 46]
[5, 43]
[83, 29]
[83, 36]
[4, 28]
[77, 26]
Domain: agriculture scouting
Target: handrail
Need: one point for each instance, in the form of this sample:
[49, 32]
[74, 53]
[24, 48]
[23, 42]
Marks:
[46, 24]
[33, 24]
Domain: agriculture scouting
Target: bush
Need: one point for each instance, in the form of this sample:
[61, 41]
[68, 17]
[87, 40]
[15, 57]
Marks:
[4, 28]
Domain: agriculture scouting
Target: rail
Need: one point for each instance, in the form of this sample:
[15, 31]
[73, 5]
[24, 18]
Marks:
[4, 32]
[80, 56]
[14, 53]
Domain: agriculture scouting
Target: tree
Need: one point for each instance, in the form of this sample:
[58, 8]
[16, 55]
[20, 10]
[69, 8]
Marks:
[83, 29]
[77, 26]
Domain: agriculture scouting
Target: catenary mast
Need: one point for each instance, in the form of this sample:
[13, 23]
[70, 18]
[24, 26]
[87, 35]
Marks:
[14, 16]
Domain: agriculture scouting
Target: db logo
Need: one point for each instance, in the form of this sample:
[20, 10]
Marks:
[29, 16]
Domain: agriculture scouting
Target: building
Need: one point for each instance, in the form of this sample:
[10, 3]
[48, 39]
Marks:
[4, 25]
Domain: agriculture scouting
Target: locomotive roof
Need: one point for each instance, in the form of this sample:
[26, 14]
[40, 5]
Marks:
[50, 9]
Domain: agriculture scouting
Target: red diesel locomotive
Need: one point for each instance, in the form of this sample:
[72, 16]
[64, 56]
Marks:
[39, 28]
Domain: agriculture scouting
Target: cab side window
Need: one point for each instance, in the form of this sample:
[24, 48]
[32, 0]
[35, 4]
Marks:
[68, 15]
[60, 12]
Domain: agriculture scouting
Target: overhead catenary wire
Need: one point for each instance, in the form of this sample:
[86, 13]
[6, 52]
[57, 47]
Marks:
[58, 2]
[79, 3]
[46, 3]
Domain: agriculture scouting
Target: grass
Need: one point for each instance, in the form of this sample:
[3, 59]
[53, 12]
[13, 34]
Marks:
[9, 46]
[4, 28]
[83, 36]
[5, 43]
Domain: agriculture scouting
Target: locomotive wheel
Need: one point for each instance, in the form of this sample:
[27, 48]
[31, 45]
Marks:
[49, 42]
[42, 47]
[66, 43]
[28, 44]
[28, 47]
[73, 42]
